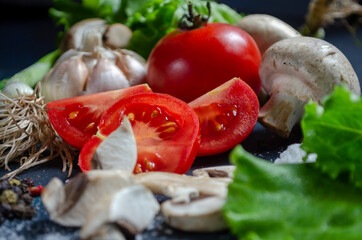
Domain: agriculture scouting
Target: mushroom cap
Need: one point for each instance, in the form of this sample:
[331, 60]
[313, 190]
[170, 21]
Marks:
[296, 70]
[266, 29]
[306, 67]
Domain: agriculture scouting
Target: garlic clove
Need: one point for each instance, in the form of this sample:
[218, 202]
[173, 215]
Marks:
[68, 54]
[67, 79]
[106, 76]
[117, 35]
[16, 89]
[132, 65]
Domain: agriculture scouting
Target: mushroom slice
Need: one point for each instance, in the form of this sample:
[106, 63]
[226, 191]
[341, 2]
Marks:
[199, 215]
[266, 29]
[183, 188]
[132, 209]
[296, 70]
[219, 171]
[69, 204]
[118, 150]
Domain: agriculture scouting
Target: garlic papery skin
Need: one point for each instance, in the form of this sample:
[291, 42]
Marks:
[113, 36]
[67, 79]
[132, 65]
[77, 73]
[106, 76]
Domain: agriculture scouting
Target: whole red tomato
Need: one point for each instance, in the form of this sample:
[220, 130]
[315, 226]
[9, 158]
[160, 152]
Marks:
[189, 63]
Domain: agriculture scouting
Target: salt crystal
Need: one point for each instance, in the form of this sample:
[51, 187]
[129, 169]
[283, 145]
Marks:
[295, 155]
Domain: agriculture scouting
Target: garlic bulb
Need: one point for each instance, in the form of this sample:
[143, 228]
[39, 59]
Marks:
[78, 72]
[110, 36]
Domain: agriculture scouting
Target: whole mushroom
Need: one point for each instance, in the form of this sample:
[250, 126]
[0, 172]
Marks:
[296, 70]
[266, 29]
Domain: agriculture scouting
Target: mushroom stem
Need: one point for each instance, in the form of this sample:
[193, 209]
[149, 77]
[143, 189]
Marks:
[282, 119]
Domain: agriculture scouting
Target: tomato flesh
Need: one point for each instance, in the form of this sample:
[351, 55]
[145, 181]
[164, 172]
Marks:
[227, 116]
[189, 63]
[166, 130]
[76, 119]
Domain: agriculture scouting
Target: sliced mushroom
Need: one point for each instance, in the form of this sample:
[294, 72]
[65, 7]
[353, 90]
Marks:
[266, 29]
[294, 71]
[183, 188]
[132, 208]
[69, 204]
[196, 201]
[118, 150]
[199, 215]
[92, 32]
[219, 171]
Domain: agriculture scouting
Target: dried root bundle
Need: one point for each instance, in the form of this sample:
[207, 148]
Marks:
[27, 136]
[322, 13]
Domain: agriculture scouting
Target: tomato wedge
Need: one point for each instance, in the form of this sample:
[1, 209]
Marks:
[76, 119]
[227, 116]
[166, 129]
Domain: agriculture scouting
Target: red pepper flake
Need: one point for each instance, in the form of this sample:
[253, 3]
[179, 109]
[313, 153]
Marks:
[35, 191]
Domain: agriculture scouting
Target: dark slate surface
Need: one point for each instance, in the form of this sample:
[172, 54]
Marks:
[27, 34]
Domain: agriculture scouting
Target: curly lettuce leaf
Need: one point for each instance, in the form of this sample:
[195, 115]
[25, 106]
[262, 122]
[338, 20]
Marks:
[158, 17]
[290, 202]
[334, 132]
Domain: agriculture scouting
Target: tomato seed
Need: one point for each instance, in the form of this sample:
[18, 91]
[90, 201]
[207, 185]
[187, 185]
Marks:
[73, 115]
[131, 116]
[90, 126]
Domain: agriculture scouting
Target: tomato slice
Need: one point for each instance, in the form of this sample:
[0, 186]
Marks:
[166, 129]
[227, 116]
[76, 119]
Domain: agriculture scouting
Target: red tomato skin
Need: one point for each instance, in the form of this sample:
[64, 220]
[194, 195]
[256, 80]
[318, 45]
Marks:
[189, 63]
[236, 94]
[91, 106]
[112, 119]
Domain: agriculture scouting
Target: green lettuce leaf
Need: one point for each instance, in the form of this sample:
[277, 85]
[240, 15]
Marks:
[334, 132]
[159, 17]
[290, 202]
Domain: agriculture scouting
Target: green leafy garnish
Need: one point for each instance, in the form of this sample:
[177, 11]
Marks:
[334, 132]
[158, 17]
[290, 202]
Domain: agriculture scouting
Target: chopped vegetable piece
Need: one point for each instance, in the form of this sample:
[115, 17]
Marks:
[227, 116]
[166, 130]
[273, 201]
[334, 132]
[76, 119]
